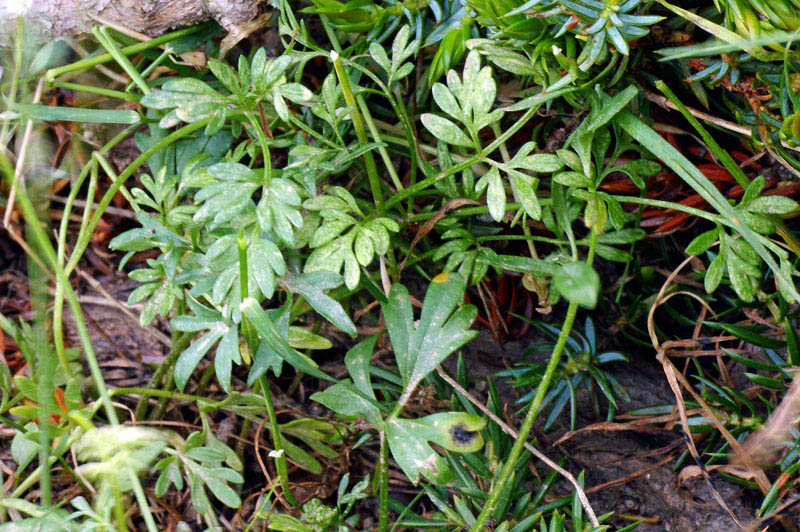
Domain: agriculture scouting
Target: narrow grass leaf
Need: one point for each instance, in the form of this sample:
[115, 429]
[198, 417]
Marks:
[76, 114]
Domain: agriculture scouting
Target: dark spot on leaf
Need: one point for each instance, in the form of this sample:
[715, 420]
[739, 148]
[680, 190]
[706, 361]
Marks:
[461, 436]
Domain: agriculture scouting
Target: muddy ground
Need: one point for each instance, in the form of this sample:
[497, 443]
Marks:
[654, 496]
[128, 354]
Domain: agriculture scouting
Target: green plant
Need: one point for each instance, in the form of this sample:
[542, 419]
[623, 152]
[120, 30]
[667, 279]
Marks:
[342, 240]
[752, 17]
[287, 201]
[551, 27]
[418, 348]
[581, 369]
[318, 517]
[114, 458]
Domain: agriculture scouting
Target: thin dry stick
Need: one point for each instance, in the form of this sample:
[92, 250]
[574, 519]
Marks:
[271, 483]
[81, 51]
[533, 450]
[632, 476]
[158, 335]
[18, 180]
[673, 376]
[492, 325]
[125, 407]
[730, 126]
[103, 302]
[115, 211]
[77, 470]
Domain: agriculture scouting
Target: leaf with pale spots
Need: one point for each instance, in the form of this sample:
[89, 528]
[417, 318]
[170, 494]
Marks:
[441, 329]
[267, 331]
[357, 361]
[343, 398]
[413, 454]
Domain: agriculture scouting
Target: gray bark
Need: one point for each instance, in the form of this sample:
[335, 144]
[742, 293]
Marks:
[52, 19]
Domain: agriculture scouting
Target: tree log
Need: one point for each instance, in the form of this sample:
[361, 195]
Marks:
[53, 19]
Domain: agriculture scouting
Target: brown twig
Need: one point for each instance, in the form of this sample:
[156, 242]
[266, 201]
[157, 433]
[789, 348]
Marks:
[725, 124]
[674, 377]
[158, 335]
[18, 177]
[632, 476]
[533, 450]
[447, 209]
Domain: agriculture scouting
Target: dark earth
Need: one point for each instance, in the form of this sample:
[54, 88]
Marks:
[638, 465]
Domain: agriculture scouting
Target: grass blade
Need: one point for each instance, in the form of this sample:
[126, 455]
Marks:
[703, 186]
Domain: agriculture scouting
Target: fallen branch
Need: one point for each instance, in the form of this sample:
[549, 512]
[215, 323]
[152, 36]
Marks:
[53, 19]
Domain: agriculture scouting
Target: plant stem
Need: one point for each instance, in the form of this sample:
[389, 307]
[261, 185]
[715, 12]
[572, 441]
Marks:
[119, 511]
[527, 424]
[179, 342]
[89, 62]
[528, 237]
[262, 140]
[44, 380]
[387, 161]
[358, 125]
[592, 245]
[476, 158]
[102, 91]
[177, 396]
[469, 211]
[45, 363]
[312, 133]
[383, 484]
[280, 460]
[112, 175]
[533, 410]
[151, 67]
[700, 213]
[101, 34]
[141, 499]
[58, 298]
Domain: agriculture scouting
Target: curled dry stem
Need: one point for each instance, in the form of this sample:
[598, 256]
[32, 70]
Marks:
[674, 377]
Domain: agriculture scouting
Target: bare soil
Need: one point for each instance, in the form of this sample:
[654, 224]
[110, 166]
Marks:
[655, 495]
[128, 355]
